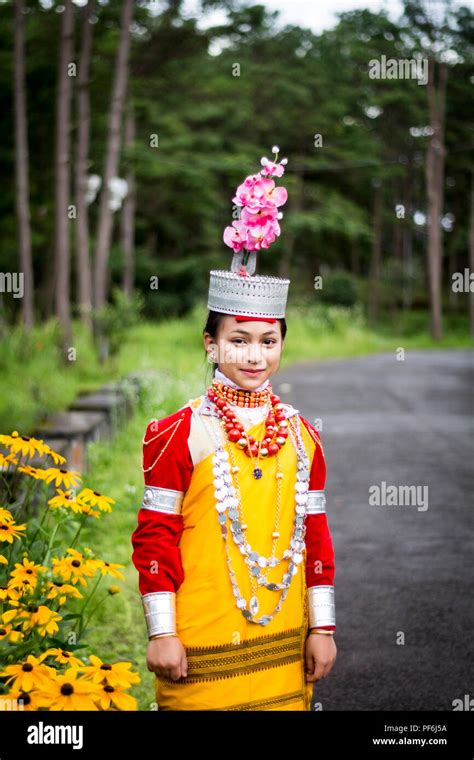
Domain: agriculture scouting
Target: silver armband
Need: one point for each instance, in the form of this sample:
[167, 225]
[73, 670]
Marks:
[321, 606]
[160, 612]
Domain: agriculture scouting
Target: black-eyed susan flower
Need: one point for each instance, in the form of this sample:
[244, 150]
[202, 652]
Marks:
[62, 591]
[27, 675]
[96, 499]
[5, 516]
[38, 616]
[9, 633]
[67, 500]
[57, 458]
[25, 571]
[7, 593]
[6, 440]
[34, 472]
[115, 696]
[10, 530]
[66, 478]
[26, 446]
[26, 700]
[118, 674]
[68, 691]
[6, 459]
[108, 568]
[23, 587]
[62, 656]
[74, 568]
[3, 560]
[86, 509]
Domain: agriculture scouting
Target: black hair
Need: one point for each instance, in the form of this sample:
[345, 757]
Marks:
[213, 322]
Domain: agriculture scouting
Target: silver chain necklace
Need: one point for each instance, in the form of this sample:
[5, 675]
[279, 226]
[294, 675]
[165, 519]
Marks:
[227, 509]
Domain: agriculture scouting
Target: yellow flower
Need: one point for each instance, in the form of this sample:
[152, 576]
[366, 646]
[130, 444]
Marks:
[29, 674]
[62, 477]
[62, 656]
[24, 445]
[7, 459]
[37, 616]
[108, 568]
[27, 700]
[6, 592]
[68, 692]
[118, 674]
[96, 499]
[10, 530]
[113, 696]
[62, 590]
[114, 589]
[5, 516]
[64, 499]
[8, 632]
[88, 510]
[35, 472]
[3, 560]
[74, 568]
[57, 458]
[27, 571]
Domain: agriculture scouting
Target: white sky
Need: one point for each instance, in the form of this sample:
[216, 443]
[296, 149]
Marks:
[314, 14]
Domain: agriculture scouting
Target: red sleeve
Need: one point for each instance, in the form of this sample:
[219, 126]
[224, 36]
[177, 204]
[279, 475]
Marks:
[320, 564]
[168, 465]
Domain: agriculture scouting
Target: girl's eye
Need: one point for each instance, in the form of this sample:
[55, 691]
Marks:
[267, 340]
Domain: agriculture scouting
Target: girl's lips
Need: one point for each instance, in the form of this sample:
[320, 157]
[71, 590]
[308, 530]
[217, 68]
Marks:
[250, 372]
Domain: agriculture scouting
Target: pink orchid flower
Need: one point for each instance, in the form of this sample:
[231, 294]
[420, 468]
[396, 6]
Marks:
[236, 235]
[259, 199]
[271, 169]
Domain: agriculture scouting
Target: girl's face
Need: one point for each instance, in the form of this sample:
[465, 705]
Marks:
[250, 345]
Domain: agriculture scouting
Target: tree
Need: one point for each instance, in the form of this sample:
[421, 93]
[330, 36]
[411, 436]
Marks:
[62, 162]
[127, 219]
[105, 221]
[84, 273]
[21, 168]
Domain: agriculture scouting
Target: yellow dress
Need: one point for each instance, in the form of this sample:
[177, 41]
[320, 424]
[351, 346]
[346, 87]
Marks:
[234, 664]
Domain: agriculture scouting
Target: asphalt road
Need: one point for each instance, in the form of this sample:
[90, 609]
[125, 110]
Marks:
[404, 570]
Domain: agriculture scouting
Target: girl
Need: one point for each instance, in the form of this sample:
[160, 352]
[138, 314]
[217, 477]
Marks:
[232, 546]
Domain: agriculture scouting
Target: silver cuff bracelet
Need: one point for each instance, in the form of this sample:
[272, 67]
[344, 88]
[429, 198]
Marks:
[321, 606]
[160, 612]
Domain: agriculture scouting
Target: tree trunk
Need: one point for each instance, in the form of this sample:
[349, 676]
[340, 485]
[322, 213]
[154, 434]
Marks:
[105, 221]
[376, 256]
[407, 243]
[127, 220]
[21, 169]
[471, 255]
[63, 113]
[83, 261]
[434, 172]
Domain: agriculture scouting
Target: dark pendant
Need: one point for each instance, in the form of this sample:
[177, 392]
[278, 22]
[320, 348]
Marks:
[257, 473]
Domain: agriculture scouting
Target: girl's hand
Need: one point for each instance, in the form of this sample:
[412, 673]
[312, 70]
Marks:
[167, 657]
[320, 656]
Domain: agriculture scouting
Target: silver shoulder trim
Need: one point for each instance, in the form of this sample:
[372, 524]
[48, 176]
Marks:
[162, 500]
[316, 503]
[321, 606]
